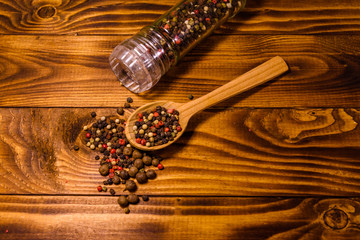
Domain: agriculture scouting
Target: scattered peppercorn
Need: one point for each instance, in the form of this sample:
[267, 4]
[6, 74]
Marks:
[126, 210]
[191, 97]
[112, 191]
[141, 177]
[145, 198]
[76, 148]
[122, 201]
[133, 198]
[129, 100]
[130, 185]
[150, 174]
[120, 111]
[93, 114]
[127, 105]
[104, 170]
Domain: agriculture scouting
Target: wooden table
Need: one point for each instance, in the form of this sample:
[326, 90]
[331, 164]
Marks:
[281, 161]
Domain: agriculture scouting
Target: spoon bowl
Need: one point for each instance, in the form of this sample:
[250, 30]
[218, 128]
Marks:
[261, 74]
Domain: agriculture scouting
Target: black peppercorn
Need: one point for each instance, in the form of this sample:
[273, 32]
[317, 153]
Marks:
[133, 198]
[76, 148]
[126, 105]
[145, 198]
[120, 111]
[112, 191]
[123, 202]
[141, 177]
[129, 100]
[93, 114]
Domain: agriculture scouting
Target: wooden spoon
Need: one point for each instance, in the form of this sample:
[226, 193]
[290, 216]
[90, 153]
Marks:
[262, 73]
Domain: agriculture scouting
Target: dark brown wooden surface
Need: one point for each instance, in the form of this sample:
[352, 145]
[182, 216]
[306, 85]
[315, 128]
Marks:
[281, 161]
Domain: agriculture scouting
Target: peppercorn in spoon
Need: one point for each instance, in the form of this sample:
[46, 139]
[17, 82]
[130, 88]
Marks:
[181, 113]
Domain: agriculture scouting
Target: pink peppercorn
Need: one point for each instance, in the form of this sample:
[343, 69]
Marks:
[160, 166]
[88, 135]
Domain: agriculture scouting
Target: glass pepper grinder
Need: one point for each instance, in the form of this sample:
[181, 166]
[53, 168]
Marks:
[139, 62]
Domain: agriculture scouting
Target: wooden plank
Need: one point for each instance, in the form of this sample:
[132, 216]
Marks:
[84, 217]
[234, 152]
[74, 71]
[123, 18]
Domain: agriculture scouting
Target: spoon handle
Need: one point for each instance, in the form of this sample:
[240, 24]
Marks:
[261, 74]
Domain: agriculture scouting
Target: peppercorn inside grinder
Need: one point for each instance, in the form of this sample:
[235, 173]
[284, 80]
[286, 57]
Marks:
[139, 62]
[261, 74]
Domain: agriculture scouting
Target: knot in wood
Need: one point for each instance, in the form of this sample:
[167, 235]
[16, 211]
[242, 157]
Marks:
[46, 11]
[336, 219]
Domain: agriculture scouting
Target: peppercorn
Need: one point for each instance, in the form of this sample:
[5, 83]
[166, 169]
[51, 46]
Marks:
[76, 148]
[116, 179]
[133, 171]
[145, 198]
[127, 151]
[126, 210]
[137, 154]
[124, 174]
[104, 189]
[160, 166]
[155, 162]
[130, 185]
[141, 177]
[104, 170]
[93, 114]
[126, 105]
[99, 188]
[133, 198]
[97, 157]
[150, 174]
[120, 111]
[112, 191]
[122, 201]
[129, 100]
[139, 163]
[147, 160]
[191, 97]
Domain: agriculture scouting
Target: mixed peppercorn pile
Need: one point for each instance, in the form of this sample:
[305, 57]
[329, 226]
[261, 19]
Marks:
[157, 127]
[123, 165]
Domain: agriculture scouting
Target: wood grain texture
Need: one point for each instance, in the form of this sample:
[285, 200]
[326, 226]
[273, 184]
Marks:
[69, 71]
[80, 217]
[234, 152]
[116, 17]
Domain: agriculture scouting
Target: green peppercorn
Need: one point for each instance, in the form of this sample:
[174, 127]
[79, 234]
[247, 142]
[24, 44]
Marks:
[124, 174]
[150, 174]
[133, 171]
[133, 198]
[139, 163]
[116, 179]
[137, 154]
[155, 162]
[104, 170]
[141, 177]
[147, 160]
[127, 151]
[130, 186]
[122, 201]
